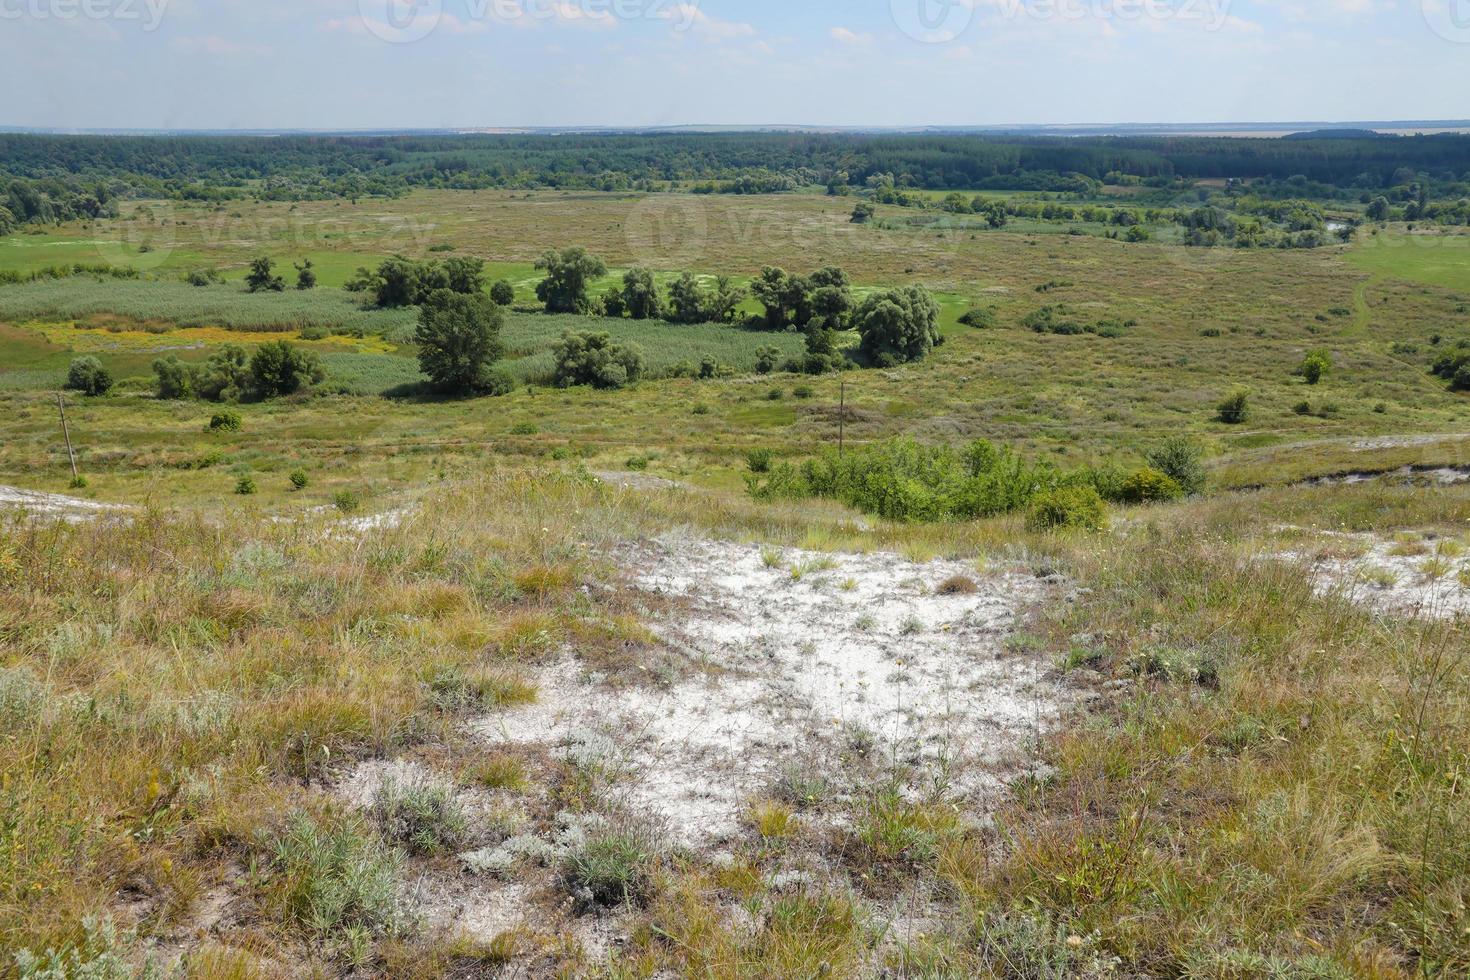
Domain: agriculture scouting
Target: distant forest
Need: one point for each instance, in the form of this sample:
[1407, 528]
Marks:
[78, 175]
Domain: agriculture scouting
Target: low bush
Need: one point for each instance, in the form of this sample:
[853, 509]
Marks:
[299, 480]
[336, 883]
[88, 376]
[907, 480]
[759, 460]
[1181, 460]
[613, 866]
[1235, 408]
[979, 318]
[423, 817]
[596, 359]
[245, 486]
[1072, 507]
[1148, 486]
[346, 501]
[225, 422]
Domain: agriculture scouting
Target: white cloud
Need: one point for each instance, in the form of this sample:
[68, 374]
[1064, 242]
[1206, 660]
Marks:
[843, 35]
[687, 18]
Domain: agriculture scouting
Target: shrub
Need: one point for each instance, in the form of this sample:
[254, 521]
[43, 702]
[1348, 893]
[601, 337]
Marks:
[1181, 460]
[612, 866]
[502, 293]
[759, 460]
[282, 368]
[803, 392]
[458, 338]
[1235, 409]
[346, 501]
[1068, 507]
[766, 359]
[88, 376]
[640, 295]
[979, 318]
[424, 817]
[337, 883]
[245, 487]
[1316, 366]
[595, 359]
[299, 480]
[524, 429]
[1150, 486]
[225, 422]
[907, 480]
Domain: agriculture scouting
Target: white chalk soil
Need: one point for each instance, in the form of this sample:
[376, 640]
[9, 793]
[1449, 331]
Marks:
[794, 655]
[54, 504]
[781, 670]
[1414, 574]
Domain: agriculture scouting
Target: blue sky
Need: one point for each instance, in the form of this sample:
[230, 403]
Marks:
[488, 63]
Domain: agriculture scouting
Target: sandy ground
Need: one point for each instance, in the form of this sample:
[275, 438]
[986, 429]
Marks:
[1412, 574]
[55, 504]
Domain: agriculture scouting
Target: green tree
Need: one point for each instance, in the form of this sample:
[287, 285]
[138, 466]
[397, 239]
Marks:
[88, 376]
[780, 294]
[261, 278]
[691, 301]
[174, 380]
[640, 295]
[863, 212]
[1235, 408]
[282, 368]
[465, 274]
[1379, 209]
[1316, 366]
[898, 326]
[458, 337]
[1182, 461]
[305, 275]
[225, 376]
[564, 290]
[594, 359]
[503, 293]
[831, 299]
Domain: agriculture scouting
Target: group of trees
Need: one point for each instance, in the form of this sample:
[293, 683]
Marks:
[231, 374]
[262, 277]
[409, 282]
[312, 167]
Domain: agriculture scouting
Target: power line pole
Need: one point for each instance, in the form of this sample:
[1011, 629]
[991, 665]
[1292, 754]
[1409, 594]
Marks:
[70, 453]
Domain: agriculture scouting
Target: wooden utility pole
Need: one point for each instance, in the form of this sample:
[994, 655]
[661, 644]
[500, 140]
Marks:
[842, 421]
[70, 453]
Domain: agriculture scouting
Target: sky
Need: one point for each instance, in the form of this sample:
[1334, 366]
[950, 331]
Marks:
[359, 64]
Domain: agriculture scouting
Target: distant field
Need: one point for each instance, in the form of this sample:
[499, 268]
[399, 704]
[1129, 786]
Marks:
[1433, 259]
[1205, 320]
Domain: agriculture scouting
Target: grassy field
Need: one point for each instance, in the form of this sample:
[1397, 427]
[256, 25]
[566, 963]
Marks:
[1260, 780]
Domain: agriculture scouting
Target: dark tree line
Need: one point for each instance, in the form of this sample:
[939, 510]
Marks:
[306, 167]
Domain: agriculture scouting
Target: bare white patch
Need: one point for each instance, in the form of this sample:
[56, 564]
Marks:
[797, 653]
[55, 504]
[1411, 575]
